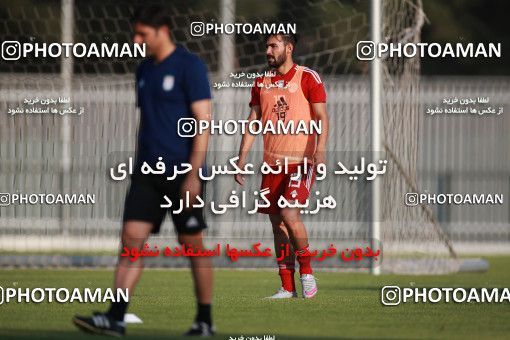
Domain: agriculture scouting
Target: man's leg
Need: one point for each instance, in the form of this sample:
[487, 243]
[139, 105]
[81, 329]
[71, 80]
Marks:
[134, 235]
[298, 236]
[299, 239]
[286, 262]
[201, 269]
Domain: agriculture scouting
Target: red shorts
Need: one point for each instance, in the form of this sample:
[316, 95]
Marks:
[291, 185]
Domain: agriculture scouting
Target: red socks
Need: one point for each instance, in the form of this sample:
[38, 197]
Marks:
[304, 259]
[286, 272]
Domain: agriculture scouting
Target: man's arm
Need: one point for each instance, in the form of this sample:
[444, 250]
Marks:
[321, 115]
[201, 110]
[247, 142]
[196, 85]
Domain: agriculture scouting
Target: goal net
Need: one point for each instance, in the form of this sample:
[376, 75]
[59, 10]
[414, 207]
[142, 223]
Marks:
[33, 145]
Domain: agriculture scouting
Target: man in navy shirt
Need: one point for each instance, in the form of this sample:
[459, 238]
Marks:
[171, 84]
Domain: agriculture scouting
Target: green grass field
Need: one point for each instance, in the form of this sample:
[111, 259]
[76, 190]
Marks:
[347, 306]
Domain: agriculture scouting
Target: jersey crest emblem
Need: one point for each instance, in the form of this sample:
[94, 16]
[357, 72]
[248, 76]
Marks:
[168, 82]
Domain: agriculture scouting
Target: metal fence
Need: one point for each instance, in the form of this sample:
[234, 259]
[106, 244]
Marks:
[464, 153]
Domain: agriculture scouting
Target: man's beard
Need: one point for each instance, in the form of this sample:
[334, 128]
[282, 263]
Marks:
[276, 62]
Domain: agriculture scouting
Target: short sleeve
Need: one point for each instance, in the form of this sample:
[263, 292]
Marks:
[196, 81]
[315, 91]
[317, 94]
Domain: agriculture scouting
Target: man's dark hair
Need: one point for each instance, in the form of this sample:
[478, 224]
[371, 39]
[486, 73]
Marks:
[287, 38]
[153, 15]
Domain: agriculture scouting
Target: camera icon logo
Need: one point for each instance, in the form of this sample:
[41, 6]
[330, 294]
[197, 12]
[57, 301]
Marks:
[391, 295]
[411, 199]
[11, 50]
[187, 127]
[197, 29]
[365, 50]
[5, 199]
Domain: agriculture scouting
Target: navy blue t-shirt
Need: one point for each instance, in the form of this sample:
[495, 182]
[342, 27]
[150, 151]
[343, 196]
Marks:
[165, 91]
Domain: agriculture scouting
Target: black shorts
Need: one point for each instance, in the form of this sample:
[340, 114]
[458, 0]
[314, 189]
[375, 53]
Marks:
[144, 199]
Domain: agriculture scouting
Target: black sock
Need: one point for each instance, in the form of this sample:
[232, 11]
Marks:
[117, 310]
[204, 313]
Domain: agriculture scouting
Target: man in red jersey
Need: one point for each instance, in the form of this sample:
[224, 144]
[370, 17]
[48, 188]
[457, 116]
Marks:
[294, 94]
